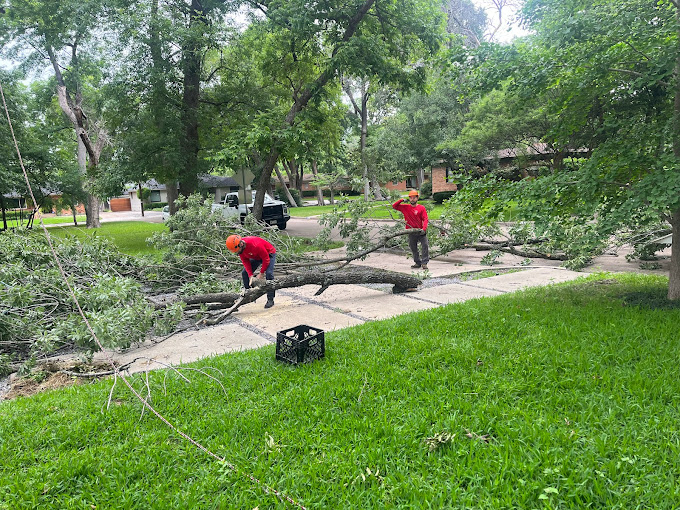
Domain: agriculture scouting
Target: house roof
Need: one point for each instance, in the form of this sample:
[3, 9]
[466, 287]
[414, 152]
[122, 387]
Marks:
[536, 149]
[218, 181]
[209, 181]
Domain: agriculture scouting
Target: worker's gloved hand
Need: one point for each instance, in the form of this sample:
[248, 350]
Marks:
[250, 282]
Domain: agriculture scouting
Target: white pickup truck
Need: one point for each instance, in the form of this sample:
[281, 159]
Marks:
[274, 212]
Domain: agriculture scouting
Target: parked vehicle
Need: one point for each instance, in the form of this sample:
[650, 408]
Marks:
[274, 212]
[166, 213]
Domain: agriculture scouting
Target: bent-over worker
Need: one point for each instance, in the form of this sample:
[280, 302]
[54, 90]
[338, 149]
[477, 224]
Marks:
[255, 252]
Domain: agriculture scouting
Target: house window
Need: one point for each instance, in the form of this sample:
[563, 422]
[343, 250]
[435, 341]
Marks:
[155, 196]
[450, 175]
[396, 183]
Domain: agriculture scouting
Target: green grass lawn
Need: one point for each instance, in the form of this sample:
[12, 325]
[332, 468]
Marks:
[13, 221]
[565, 397]
[129, 236]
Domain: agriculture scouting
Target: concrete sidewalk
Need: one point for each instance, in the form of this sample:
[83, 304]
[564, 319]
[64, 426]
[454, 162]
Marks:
[338, 307]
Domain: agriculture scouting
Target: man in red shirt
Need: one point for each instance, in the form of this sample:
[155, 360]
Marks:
[255, 252]
[415, 216]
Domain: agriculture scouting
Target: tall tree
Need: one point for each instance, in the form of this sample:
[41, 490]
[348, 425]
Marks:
[63, 33]
[360, 38]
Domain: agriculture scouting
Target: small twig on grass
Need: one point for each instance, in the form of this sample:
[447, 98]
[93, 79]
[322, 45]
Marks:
[485, 438]
[362, 388]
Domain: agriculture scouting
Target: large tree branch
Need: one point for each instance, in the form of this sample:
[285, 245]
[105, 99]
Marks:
[355, 275]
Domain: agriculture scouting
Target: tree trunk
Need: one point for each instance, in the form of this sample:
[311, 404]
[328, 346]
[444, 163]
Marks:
[191, 55]
[4, 217]
[289, 173]
[363, 112]
[74, 213]
[290, 198]
[139, 195]
[319, 193]
[674, 272]
[171, 194]
[92, 211]
[377, 193]
[74, 111]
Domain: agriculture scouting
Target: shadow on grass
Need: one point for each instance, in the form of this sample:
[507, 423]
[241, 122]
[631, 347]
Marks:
[651, 299]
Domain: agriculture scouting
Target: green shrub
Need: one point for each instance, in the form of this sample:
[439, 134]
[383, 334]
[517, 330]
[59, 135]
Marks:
[426, 189]
[440, 196]
[155, 206]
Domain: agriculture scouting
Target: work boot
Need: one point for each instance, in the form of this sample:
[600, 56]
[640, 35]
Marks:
[415, 266]
[269, 303]
[425, 267]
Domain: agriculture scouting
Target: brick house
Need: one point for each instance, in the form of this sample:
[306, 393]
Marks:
[443, 178]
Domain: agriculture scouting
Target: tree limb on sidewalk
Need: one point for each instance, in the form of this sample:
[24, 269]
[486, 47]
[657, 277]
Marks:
[401, 282]
[521, 253]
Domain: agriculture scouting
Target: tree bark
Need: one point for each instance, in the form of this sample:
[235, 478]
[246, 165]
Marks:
[505, 248]
[674, 270]
[171, 194]
[191, 55]
[4, 217]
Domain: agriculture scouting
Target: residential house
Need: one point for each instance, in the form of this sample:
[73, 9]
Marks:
[214, 185]
[443, 176]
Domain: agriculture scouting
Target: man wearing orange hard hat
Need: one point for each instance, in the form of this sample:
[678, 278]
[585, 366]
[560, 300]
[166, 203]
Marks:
[255, 252]
[415, 216]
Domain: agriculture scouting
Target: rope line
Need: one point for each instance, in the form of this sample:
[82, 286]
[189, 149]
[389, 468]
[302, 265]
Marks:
[117, 373]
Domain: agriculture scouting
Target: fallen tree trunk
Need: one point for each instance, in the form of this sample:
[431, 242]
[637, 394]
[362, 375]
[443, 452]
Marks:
[354, 275]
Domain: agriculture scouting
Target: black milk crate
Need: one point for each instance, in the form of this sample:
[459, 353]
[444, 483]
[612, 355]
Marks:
[300, 344]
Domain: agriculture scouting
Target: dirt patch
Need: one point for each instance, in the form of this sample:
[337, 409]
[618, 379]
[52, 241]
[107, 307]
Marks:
[53, 375]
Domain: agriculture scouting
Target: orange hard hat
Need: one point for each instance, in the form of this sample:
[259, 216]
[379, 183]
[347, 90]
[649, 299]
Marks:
[413, 193]
[232, 242]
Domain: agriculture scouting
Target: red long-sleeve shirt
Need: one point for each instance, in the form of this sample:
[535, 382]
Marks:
[256, 249]
[415, 215]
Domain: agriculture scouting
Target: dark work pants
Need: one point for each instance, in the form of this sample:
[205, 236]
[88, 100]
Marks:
[268, 273]
[424, 257]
